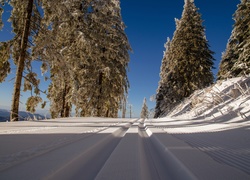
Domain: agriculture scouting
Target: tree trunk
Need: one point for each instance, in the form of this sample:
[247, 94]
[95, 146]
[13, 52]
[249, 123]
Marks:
[65, 105]
[130, 111]
[124, 108]
[107, 113]
[63, 101]
[99, 106]
[20, 66]
[67, 110]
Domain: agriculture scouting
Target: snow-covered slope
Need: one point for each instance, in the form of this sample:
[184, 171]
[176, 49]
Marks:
[226, 99]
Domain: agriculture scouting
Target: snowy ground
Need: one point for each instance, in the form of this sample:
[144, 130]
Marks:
[98, 148]
[207, 137]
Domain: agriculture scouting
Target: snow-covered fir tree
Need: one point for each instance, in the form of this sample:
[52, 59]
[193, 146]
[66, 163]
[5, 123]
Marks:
[4, 50]
[25, 19]
[160, 91]
[144, 111]
[236, 59]
[85, 47]
[229, 57]
[190, 60]
[109, 61]
[2, 3]
[60, 47]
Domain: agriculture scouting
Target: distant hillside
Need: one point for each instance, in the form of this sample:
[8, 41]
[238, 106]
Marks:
[5, 116]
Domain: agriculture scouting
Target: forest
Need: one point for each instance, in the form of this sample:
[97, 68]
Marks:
[80, 44]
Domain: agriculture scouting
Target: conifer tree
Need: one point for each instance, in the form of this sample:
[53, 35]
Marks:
[110, 49]
[190, 60]
[4, 60]
[25, 31]
[229, 57]
[236, 59]
[144, 111]
[88, 50]
[4, 50]
[2, 3]
[25, 19]
[60, 47]
[159, 109]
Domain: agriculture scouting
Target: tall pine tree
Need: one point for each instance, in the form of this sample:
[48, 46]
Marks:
[25, 19]
[87, 51]
[190, 60]
[60, 46]
[159, 109]
[4, 50]
[109, 60]
[2, 3]
[236, 59]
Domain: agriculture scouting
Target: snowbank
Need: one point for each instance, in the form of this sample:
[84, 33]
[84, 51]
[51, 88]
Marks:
[226, 99]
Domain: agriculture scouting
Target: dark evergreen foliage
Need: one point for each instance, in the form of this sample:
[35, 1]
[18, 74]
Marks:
[236, 59]
[190, 61]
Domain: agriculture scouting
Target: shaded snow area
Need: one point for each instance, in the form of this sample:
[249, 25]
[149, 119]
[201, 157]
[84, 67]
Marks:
[206, 137]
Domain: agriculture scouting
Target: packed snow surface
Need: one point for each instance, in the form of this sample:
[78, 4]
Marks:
[102, 148]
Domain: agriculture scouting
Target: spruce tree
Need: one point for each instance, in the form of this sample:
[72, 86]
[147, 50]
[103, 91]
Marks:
[144, 111]
[25, 19]
[60, 47]
[22, 56]
[229, 57]
[87, 50]
[236, 59]
[2, 3]
[109, 60]
[159, 109]
[26, 22]
[242, 29]
[4, 50]
[190, 59]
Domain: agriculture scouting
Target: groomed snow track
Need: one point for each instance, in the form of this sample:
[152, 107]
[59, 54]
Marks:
[103, 149]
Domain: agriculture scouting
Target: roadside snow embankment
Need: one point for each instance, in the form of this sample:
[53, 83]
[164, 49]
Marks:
[227, 99]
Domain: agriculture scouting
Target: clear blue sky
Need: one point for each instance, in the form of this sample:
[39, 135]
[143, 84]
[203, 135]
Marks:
[149, 23]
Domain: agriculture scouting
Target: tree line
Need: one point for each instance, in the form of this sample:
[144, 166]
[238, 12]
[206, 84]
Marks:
[83, 47]
[188, 61]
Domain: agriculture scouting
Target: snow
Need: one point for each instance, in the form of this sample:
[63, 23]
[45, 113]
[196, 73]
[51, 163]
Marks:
[224, 99]
[201, 114]
[200, 140]
[214, 120]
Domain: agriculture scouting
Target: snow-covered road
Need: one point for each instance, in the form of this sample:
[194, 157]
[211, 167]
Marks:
[116, 149]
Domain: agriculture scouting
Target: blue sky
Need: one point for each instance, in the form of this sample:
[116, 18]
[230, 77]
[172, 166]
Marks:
[149, 23]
